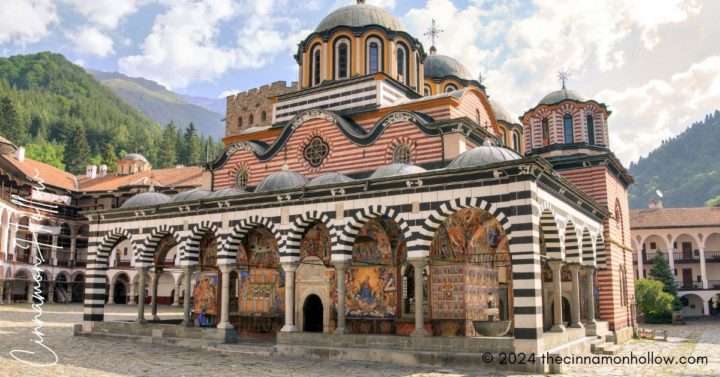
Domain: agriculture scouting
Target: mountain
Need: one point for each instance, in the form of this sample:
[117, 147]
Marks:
[68, 119]
[216, 105]
[686, 168]
[162, 105]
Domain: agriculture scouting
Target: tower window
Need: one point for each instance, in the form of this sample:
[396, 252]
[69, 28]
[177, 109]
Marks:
[402, 154]
[374, 56]
[251, 119]
[545, 132]
[263, 116]
[516, 141]
[568, 129]
[342, 59]
[316, 66]
[240, 122]
[427, 91]
[590, 128]
[402, 64]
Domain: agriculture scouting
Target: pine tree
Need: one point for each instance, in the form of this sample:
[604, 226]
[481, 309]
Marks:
[10, 125]
[660, 271]
[109, 157]
[77, 151]
[168, 153]
[193, 146]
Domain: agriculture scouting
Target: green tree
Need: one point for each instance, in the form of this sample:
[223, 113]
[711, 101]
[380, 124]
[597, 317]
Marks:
[10, 125]
[47, 152]
[653, 301]
[714, 202]
[168, 153]
[660, 270]
[109, 157]
[192, 154]
[77, 152]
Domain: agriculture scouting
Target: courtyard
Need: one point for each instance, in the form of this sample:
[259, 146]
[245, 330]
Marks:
[113, 357]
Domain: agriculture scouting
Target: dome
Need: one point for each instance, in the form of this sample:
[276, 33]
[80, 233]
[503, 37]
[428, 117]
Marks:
[135, 157]
[189, 195]
[483, 155]
[396, 169]
[282, 180]
[359, 15]
[146, 199]
[226, 192]
[329, 178]
[559, 96]
[501, 114]
[439, 66]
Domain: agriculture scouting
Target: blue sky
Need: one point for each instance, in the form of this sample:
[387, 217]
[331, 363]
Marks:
[656, 63]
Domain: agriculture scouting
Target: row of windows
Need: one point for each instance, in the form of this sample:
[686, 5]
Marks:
[251, 119]
[515, 140]
[448, 88]
[568, 129]
[373, 62]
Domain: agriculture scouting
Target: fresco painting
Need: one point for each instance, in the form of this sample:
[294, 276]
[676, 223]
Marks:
[205, 294]
[371, 292]
[316, 242]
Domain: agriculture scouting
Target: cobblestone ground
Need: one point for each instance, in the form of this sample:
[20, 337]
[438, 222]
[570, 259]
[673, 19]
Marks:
[106, 357]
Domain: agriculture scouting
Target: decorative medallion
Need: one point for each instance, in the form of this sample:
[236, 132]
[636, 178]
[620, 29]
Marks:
[315, 151]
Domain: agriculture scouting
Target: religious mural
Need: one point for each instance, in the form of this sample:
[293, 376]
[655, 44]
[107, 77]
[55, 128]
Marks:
[205, 298]
[316, 243]
[262, 291]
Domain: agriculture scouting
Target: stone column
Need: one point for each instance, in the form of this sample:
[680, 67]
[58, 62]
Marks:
[73, 253]
[556, 267]
[111, 293]
[225, 298]
[176, 294]
[30, 288]
[51, 292]
[703, 269]
[53, 251]
[2, 291]
[133, 292]
[340, 268]
[575, 297]
[671, 261]
[187, 318]
[590, 294]
[418, 269]
[141, 295]
[12, 239]
[289, 269]
[154, 302]
[640, 264]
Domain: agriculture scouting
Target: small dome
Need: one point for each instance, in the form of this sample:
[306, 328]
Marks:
[440, 66]
[146, 199]
[559, 96]
[359, 15]
[396, 169]
[190, 195]
[232, 191]
[329, 178]
[501, 114]
[135, 157]
[282, 180]
[483, 155]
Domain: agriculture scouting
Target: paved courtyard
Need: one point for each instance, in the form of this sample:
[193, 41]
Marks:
[105, 357]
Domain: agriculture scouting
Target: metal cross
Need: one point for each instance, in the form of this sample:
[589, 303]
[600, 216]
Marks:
[563, 76]
[434, 32]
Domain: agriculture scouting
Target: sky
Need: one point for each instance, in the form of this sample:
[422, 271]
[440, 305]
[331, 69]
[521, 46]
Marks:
[655, 63]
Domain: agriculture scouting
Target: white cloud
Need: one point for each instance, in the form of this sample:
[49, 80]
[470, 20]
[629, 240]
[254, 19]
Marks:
[184, 47]
[229, 92]
[105, 13]
[90, 40]
[645, 115]
[23, 21]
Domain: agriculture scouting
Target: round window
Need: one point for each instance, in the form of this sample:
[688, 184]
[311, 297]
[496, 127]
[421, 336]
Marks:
[315, 152]
[402, 154]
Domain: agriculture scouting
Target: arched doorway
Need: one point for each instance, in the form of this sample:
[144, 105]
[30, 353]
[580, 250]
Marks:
[313, 314]
[120, 290]
[78, 288]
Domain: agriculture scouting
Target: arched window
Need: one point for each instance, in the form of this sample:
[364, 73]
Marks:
[503, 136]
[478, 117]
[263, 116]
[342, 59]
[516, 141]
[590, 128]
[402, 154]
[251, 120]
[427, 91]
[545, 132]
[374, 55]
[402, 64]
[316, 65]
[241, 178]
[450, 88]
[240, 122]
[568, 129]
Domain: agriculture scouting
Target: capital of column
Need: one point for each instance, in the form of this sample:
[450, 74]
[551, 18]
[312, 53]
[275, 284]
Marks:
[555, 264]
[418, 263]
[574, 267]
[289, 267]
[341, 265]
[225, 268]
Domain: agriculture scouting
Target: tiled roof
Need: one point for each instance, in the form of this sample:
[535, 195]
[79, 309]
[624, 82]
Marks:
[48, 174]
[172, 177]
[674, 217]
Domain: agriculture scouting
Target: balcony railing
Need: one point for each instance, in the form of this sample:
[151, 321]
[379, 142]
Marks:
[690, 285]
[712, 256]
[713, 284]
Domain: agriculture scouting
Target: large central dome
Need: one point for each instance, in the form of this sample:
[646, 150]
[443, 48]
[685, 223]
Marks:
[359, 15]
[441, 66]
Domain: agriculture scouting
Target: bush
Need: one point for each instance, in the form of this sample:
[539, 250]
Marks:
[653, 301]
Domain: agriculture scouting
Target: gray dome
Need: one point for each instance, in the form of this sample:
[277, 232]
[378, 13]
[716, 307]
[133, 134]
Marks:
[146, 199]
[232, 191]
[559, 96]
[282, 180]
[359, 15]
[440, 66]
[396, 169]
[189, 195]
[483, 155]
[502, 114]
[135, 157]
[329, 178]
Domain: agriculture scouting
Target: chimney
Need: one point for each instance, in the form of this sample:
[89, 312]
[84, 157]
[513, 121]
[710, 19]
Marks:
[103, 170]
[20, 154]
[655, 204]
[91, 171]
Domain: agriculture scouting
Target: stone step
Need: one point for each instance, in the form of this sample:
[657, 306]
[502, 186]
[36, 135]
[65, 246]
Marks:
[603, 349]
[243, 349]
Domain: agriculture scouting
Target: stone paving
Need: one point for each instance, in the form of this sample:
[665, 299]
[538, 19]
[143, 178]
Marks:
[109, 357]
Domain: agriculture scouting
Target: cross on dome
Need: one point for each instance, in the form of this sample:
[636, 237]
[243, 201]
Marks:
[433, 32]
[563, 76]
